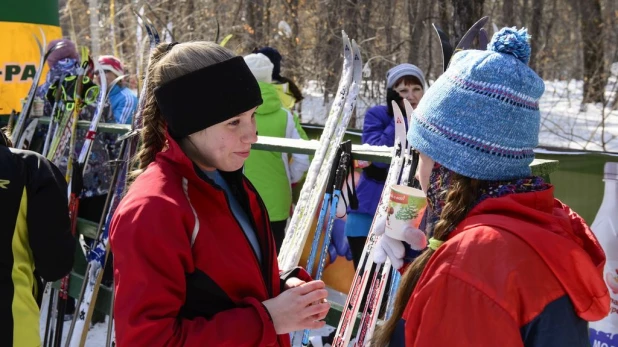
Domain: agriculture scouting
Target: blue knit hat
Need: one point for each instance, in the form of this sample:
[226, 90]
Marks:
[481, 118]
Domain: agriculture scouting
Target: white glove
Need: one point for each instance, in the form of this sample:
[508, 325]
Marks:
[394, 248]
[414, 237]
[391, 248]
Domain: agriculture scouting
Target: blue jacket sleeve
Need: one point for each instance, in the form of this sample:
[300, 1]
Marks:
[378, 129]
[124, 107]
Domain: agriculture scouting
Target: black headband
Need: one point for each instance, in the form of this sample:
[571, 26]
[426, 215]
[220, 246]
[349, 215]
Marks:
[208, 96]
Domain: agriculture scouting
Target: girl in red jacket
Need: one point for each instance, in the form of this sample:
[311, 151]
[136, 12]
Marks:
[194, 257]
[507, 264]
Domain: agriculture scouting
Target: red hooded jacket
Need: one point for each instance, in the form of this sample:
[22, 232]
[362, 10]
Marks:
[185, 273]
[519, 270]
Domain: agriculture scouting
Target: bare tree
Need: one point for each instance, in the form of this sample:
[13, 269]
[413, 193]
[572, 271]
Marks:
[535, 32]
[254, 13]
[443, 15]
[565, 46]
[416, 25]
[465, 14]
[524, 12]
[508, 8]
[593, 50]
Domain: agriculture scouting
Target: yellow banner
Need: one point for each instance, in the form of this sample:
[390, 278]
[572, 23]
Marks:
[19, 59]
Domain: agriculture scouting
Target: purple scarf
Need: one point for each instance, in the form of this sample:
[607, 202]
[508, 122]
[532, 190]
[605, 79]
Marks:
[440, 182]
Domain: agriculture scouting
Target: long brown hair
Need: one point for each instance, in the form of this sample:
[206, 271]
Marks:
[462, 194]
[165, 65]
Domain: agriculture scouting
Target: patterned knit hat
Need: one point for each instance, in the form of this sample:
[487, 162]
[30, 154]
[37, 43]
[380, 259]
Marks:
[68, 50]
[111, 63]
[481, 118]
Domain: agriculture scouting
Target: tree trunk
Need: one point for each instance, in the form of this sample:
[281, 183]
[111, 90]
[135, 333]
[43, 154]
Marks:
[535, 32]
[463, 18]
[267, 29]
[95, 40]
[389, 25]
[190, 27]
[415, 29]
[254, 16]
[293, 56]
[508, 8]
[594, 51]
[329, 57]
[444, 20]
[524, 13]
[350, 14]
[365, 18]
[477, 10]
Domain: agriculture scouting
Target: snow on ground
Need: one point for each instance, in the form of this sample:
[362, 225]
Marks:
[97, 335]
[565, 122]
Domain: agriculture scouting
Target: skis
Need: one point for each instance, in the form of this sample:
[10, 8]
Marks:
[16, 130]
[76, 168]
[466, 41]
[378, 284]
[137, 123]
[26, 137]
[316, 181]
[98, 256]
[54, 119]
[352, 305]
[447, 49]
[98, 253]
[331, 199]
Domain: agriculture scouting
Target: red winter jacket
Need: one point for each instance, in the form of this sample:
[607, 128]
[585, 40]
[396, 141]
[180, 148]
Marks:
[184, 271]
[520, 270]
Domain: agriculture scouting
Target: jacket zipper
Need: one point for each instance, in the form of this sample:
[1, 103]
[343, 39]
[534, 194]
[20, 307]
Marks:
[269, 240]
[263, 266]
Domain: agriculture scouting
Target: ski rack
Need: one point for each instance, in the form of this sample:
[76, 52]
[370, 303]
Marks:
[380, 154]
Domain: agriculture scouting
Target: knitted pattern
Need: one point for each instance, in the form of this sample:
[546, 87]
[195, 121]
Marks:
[481, 118]
[498, 189]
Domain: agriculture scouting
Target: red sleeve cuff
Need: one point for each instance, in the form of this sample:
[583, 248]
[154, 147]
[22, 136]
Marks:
[297, 272]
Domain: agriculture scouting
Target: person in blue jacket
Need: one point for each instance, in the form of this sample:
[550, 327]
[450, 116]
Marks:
[121, 99]
[404, 81]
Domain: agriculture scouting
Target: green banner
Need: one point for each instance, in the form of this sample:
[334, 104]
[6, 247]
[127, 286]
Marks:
[30, 11]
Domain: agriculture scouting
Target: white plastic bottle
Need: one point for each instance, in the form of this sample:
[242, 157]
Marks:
[604, 333]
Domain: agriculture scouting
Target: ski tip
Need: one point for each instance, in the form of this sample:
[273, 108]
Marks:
[38, 42]
[483, 39]
[481, 22]
[43, 36]
[467, 39]
[356, 50]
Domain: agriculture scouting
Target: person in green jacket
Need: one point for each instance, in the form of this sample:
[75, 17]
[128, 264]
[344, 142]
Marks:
[274, 173]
